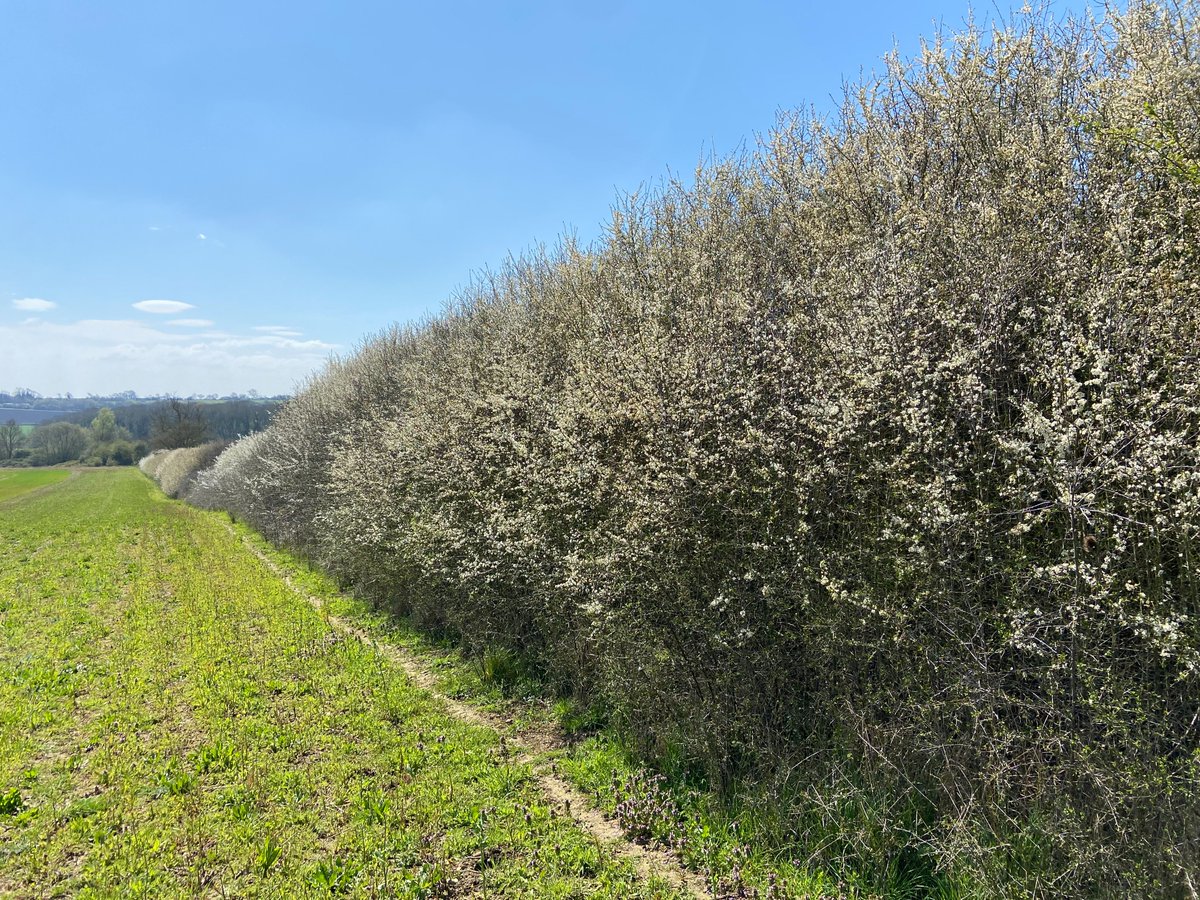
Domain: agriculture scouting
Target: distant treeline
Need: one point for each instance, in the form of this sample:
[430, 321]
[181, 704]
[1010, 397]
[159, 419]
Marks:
[24, 398]
[223, 419]
[865, 469]
[123, 435]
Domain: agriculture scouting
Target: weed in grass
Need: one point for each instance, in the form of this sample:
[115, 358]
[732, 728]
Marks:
[268, 855]
[84, 808]
[175, 783]
[499, 667]
[11, 803]
[374, 806]
[240, 809]
[578, 720]
[334, 875]
[218, 757]
[421, 882]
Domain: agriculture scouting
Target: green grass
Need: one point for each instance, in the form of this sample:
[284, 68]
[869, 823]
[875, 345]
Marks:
[18, 481]
[175, 721]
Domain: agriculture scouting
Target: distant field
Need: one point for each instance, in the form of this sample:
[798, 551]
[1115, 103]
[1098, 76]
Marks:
[18, 481]
[31, 416]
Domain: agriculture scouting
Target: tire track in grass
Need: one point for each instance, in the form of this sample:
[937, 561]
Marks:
[25, 493]
[530, 749]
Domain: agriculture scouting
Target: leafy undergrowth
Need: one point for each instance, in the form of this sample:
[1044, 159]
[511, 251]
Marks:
[15, 482]
[175, 721]
[740, 840]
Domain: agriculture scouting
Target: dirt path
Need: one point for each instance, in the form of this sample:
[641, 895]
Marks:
[530, 748]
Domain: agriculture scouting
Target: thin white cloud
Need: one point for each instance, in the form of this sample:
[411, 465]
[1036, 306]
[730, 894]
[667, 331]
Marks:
[105, 355]
[34, 304]
[202, 237]
[155, 228]
[192, 323]
[282, 330]
[162, 307]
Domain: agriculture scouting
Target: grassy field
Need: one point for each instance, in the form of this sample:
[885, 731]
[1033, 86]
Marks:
[176, 721]
[14, 482]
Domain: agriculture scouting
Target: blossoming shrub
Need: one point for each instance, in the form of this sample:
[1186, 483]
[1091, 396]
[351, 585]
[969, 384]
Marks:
[869, 459]
[176, 470]
[150, 463]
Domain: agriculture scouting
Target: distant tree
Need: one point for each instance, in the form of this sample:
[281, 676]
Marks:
[121, 452]
[178, 424]
[104, 426]
[125, 453]
[11, 437]
[59, 442]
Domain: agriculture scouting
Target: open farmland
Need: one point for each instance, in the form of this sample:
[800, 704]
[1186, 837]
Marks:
[15, 482]
[176, 720]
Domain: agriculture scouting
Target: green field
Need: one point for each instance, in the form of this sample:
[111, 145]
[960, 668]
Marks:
[14, 482]
[176, 720]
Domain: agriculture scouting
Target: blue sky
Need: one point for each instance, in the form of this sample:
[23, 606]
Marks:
[292, 177]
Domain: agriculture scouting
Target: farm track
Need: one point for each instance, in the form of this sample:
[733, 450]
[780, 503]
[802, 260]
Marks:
[533, 747]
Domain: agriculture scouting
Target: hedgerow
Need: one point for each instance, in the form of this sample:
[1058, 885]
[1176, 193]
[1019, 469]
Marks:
[176, 470]
[868, 459]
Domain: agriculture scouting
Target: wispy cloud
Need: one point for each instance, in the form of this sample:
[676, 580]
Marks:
[105, 355]
[202, 237]
[192, 323]
[34, 304]
[162, 307]
[281, 330]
